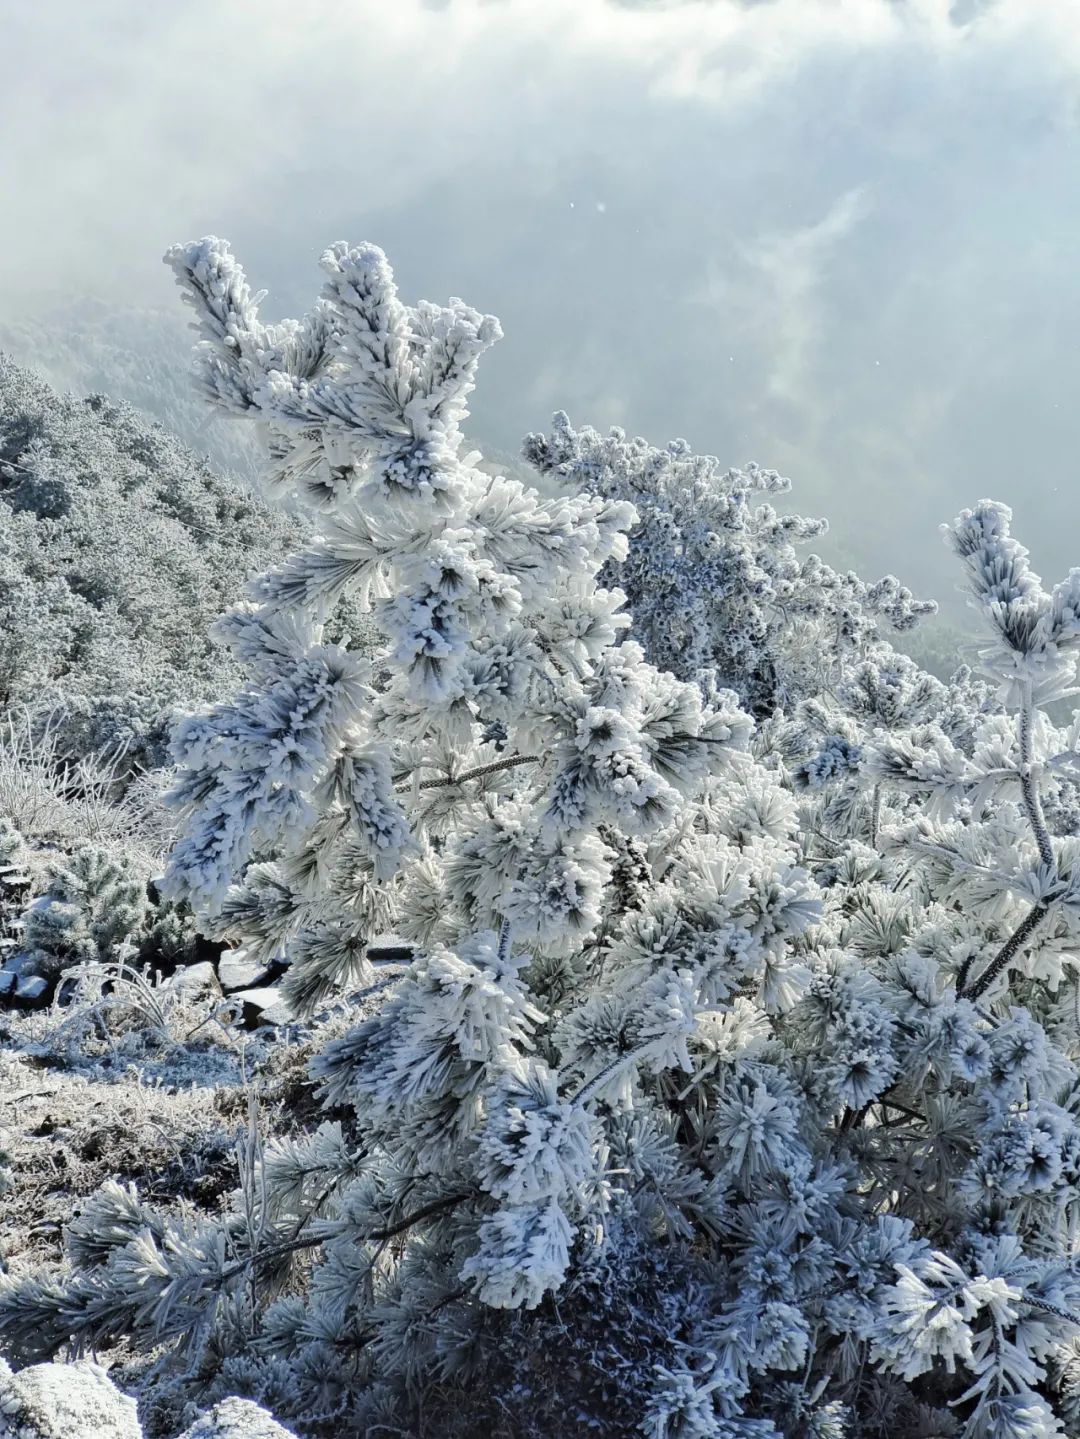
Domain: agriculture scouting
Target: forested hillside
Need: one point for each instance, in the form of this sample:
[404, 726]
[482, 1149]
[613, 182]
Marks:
[137, 357]
[118, 547]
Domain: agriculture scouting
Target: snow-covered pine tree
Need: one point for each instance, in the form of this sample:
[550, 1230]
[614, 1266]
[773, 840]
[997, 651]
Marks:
[720, 595]
[501, 709]
[488, 787]
[95, 902]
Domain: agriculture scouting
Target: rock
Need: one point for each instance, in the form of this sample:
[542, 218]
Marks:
[18, 981]
[30, 988]
[236, 972]
[388, 949]
[236, 1419]
[261, 1006]
[67, 1401]
[194, 978]
[23, 962]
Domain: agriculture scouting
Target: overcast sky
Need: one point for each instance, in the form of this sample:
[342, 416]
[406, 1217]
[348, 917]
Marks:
[836, 236]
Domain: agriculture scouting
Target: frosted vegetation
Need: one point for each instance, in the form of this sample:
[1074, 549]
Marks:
[677, 1002]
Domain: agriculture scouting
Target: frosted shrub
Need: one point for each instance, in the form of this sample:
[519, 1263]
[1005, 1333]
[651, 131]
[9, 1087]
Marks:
[95, 908]
[713, 579]
[95, 901]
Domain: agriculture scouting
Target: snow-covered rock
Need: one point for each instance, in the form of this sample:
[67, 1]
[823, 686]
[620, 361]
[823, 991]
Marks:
[31, 987]
[193, 978]
[238, 973]
[67, 1401]
[236, 1419]
[263, 1005]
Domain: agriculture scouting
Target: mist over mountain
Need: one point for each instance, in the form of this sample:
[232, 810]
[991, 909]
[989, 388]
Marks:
[836, 240]
[141, 357]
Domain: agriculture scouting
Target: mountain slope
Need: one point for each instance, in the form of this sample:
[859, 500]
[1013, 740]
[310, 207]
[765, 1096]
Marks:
[118, 548]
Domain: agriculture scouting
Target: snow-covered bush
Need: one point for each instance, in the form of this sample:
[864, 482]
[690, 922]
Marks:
[76, 861]
[94, 903]
[715, 584]
[93, 906]
[78, 848]
[818, 1087]
[15, 863]
[55, 803]
[64, 1401]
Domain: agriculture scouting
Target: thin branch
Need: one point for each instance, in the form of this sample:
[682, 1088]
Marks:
[1007, 953]
[314, 1241]
[903, 1109]
[624, 1061]
[403, 780]
[506, 934]
[962, 975]
[1034, 810]
[1048, 1308]
[1028, 786]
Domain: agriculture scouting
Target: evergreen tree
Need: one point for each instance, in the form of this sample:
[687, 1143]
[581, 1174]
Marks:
[714, 581]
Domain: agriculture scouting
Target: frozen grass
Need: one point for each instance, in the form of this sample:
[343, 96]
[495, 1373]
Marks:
[65, 1134]
[54, 802]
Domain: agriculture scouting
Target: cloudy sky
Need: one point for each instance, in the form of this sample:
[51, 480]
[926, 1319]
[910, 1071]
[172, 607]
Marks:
[835, 236]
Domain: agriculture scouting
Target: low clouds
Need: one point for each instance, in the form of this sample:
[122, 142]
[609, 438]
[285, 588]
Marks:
[835, 238]
[794, 269]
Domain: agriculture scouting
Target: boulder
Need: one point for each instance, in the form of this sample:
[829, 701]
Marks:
[236, 1419]
[66, 1401]
[193, 978]
[31, 988]
[260, 1006]
[236, 972]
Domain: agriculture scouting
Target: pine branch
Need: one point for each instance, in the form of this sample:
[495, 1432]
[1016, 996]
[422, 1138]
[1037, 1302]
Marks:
[403, 782]
[315, 1241]
[1006, 953]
